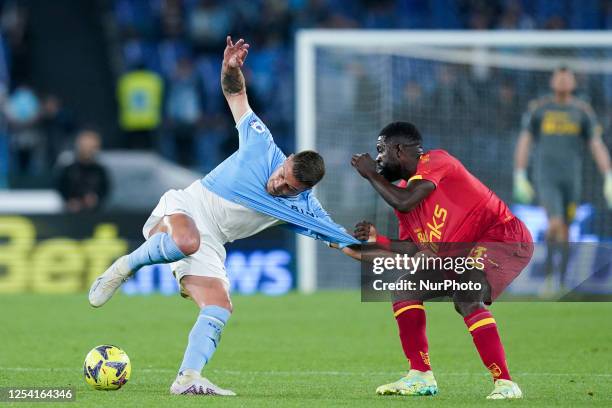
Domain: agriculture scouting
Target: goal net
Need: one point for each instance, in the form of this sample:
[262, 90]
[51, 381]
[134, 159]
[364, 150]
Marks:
[465, 91]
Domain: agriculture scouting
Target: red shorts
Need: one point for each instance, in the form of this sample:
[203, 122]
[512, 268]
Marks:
[506, 249]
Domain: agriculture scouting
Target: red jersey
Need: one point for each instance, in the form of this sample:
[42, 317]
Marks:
[460, 209]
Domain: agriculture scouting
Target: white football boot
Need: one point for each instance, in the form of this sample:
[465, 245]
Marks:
[415, 383]
[106, 284]
[505, 389]
[190, 382]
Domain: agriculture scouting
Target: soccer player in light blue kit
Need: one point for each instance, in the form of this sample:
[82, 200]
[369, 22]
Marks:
[255, 188]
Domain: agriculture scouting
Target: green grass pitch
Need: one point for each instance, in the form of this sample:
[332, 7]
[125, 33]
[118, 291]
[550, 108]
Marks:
[326, 349]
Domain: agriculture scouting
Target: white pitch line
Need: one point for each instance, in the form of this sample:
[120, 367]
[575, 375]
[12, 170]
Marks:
[308, 373]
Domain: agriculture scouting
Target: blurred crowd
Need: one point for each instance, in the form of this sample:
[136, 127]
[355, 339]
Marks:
[168, 95]
[181, 42]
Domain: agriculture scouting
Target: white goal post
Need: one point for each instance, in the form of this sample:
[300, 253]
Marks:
[459, 47]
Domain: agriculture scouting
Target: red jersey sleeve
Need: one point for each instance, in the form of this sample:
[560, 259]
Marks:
[433, 166]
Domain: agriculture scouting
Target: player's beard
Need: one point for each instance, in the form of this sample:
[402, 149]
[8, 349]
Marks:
[390, 171]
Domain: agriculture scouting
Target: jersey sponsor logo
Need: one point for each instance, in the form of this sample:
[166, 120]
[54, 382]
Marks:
[257, 125]
[296, 208]
[437, 223]
[421, 235]
[559, 123]
[434, 230]
[301, 210]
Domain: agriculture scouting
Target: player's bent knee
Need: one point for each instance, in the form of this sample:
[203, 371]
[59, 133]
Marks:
[467, 308]
[220, 301]
[207, 291]
[406, 294]
[203, 300]
[226, 304]
[184, 232]
[188, 243]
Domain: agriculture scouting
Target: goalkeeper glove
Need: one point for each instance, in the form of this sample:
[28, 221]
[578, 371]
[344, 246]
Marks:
[523, 192]
[607, 189]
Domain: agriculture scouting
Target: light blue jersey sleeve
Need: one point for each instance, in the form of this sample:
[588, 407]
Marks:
[255, 137]
[246, 172]
[251, 130]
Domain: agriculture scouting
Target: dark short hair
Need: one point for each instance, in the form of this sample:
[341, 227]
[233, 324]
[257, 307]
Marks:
[88, 127]
[563, 68]
[404, 132]
[308, 167]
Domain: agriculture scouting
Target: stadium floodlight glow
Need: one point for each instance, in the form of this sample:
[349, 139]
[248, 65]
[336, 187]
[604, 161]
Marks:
[320, 55]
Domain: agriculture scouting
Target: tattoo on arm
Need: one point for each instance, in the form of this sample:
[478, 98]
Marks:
[232, 81]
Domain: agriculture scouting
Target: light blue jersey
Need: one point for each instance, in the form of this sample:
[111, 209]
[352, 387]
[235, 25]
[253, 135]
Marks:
[243, 176]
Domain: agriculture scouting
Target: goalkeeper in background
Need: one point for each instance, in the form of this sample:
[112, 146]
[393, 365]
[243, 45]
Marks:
[559, 123]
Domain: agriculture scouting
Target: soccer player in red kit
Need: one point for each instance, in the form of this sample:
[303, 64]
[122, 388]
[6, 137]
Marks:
[439, 203]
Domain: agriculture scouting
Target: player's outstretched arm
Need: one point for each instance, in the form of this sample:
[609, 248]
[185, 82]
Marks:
[602, 159]
[600, 154]
[521, 153]
[366, 252]
[353, 253]
[357, 252]
[364, 231]
[523, 191]
[232, 80]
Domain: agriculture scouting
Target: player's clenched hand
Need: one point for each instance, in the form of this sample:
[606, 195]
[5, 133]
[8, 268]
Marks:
[364, 164]
[522, 190]
[235, 54]
[365, 231]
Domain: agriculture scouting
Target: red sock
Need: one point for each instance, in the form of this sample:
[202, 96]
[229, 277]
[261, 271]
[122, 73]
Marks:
[410, 316]
[486, 339]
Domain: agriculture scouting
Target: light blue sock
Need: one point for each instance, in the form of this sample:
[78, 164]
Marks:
[204, 337]
[159, 248]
